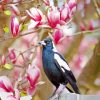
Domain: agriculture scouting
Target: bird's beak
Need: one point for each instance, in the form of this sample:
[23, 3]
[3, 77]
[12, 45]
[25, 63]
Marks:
[42, 43]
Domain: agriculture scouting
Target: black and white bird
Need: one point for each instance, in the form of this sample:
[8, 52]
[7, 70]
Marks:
[56, 67]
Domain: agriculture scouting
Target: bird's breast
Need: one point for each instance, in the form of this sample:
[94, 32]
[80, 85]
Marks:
[49, 66]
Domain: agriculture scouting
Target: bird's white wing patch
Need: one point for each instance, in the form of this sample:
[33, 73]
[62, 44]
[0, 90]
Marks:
[61, 62]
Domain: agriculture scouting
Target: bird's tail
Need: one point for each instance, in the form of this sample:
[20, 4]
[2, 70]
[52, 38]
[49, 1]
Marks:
[76, 89]
[74, 86]
[69, 89]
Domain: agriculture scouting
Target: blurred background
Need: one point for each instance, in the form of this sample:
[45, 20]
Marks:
[80, 43]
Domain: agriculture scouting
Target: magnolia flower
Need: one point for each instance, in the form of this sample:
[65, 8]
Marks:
[57, 35]
[12, 56]
[15, 10]
[72, 5]
[7, 92]
[15, 26]
[53, 18]
[14, 96]
[33, 74]
[5, 85]
[35, 14]
[91, 26]
[82, 27]
[64, 14]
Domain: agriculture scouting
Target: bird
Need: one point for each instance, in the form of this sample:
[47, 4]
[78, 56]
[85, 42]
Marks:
[56, 68]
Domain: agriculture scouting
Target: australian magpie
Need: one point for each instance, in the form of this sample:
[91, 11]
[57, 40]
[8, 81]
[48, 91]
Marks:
[56, 67]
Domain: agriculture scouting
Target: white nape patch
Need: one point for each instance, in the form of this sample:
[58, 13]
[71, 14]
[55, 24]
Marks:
[61, 62]
[54, 48]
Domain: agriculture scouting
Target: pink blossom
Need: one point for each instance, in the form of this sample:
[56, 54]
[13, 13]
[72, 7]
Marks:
[3, 60]
[53, 18]
[35, 14]
[91, 26]
[15, 26]
[33, 24]
[15, 10]
[15, 96]
[12, 56]
[72, 5]
[58, 34]
[64, 14]
[82, 27]
[5, 84]
[33, 73]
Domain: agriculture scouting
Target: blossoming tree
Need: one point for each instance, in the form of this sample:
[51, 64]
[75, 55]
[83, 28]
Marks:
[74, 26]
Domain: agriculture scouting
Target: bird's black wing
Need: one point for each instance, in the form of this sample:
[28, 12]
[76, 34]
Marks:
[63, 66]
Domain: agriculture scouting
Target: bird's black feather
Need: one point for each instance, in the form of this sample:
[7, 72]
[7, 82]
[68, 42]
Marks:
[67, 72]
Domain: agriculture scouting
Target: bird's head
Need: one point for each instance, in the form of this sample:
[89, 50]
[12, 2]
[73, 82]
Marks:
[46, 43]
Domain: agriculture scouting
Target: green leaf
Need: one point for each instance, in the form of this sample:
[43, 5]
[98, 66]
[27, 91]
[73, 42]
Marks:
[23, 93]
[23, 27]
[6, 29]
[8, 66]
[7, 12]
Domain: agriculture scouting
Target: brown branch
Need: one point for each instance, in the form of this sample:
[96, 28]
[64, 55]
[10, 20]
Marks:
[18, 2]
[97, 8]
[24, 33]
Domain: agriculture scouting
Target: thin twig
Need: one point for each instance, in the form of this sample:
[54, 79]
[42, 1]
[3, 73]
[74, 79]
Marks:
[24, 33]
[82, 33]
[96, 7]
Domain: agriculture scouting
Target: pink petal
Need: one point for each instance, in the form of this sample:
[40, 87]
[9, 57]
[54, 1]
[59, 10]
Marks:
[72, 4]
[33, 24]
[17, 94]
[64, 14]
[58, 34]
[29, 14]
[35, 14]
[31, 90]
[91, 26]
[5, 84]
[53, 18]
[82, 27]
[3, 60]
[12, 56]
[15, 10]
[14, 25]
[11, 97]
[33, 73]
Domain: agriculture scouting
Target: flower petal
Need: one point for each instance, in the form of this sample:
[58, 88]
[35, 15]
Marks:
[58, 34]
[33, 74]
[53, 18]
[5, 84]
